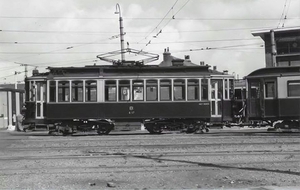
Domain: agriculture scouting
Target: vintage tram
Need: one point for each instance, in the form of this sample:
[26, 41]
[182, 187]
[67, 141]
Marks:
[107, 97]
[274, 97]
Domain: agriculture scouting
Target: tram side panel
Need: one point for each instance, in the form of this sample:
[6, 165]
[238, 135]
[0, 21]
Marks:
[193, 110]
[289, 97]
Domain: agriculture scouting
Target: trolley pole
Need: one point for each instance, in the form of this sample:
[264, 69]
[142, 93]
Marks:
[118, 11]
[273, 46]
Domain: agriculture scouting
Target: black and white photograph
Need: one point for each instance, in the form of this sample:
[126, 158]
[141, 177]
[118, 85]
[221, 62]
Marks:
[150, 94]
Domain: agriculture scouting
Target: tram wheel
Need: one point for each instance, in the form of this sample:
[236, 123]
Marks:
[154, 129]
[103, 132]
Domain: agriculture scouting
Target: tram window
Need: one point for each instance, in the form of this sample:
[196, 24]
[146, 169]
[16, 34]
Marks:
[165, 90]
[231, 89]
[226, 88]
[77, 91]
[32, 91]
[204, 89]
[151, 90]
[138, 90]
[63, 91]
[110, 91]
[40, 95]
[193, 89]
[52, 93]
[91, 91]
[254, 89]
[270, 89]
[179, 89]
[220, 89]
[124, 90]
[293, 88]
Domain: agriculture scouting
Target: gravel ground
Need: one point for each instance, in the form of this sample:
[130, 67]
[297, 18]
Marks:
[221, 159]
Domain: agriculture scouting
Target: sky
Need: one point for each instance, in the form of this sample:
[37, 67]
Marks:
[62, 33]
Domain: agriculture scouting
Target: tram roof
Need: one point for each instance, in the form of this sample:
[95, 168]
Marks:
[111, 70]
[275, 71]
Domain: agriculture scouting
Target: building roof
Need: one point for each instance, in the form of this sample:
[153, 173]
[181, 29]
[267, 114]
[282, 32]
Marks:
[262, 32]
[169, 60]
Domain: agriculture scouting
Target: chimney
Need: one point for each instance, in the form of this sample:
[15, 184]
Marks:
[187, 57]
[35, 72]
[225, 72]
[166, 55]
[214, 68]
[202, 63]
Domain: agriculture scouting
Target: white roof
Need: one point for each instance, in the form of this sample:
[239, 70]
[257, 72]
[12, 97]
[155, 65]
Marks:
[263, 31]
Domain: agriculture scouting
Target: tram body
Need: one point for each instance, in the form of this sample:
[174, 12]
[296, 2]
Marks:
[108, 97]
[274, 97]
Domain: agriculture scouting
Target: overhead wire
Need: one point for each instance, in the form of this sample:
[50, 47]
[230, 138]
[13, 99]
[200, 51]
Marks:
[173, 17]
[161, 20]
[135, 18]
[282, 14]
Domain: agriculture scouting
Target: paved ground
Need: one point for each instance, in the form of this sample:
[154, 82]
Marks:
[221, 159]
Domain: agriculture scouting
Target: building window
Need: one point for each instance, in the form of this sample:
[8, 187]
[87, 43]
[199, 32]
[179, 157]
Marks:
[91, 91]
[151, 93]
[124, 90]
[204, 89]
[63, 91]
[77, 91]
[110, 90]
[270, 89]
[138, 90]
[293, 88]
[52, 92]
[165, 90]
[179, 89]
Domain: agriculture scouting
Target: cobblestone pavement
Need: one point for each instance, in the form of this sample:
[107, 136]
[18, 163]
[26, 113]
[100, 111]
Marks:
[220, 159]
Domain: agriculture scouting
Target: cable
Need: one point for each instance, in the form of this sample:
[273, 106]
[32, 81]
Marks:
[161, 20]
[173, 17]
[134, 18]
[281, 17]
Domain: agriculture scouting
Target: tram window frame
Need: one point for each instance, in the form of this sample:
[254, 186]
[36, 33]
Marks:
[192, 89]
[165, 90]
[151, 90]
[52, 91]
[270, 89]
[293, 83]
[138, 90]
[91, 91]
[179, 89]
[124, 90]
[110, 90]
[204, 89]
[63, 91]
[77, 91]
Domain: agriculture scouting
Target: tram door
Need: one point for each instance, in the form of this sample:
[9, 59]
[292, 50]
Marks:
[216, 97]
[40, 90]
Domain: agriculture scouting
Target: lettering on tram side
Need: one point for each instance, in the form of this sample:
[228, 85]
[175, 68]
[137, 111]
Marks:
[203, 104]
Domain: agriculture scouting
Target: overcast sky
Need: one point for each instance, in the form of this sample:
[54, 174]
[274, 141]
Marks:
[46, 33]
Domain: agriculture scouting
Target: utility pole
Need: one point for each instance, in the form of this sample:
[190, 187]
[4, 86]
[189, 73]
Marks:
[25, 71]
